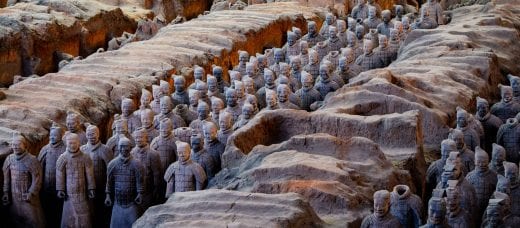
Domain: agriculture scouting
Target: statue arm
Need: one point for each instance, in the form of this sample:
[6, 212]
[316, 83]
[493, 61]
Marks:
[89, 172]
[169, 177]
[110, 177]
[60, 173]
[37, 178]
[7, 175]
[200, 177]
[156, 169]
[139, 178]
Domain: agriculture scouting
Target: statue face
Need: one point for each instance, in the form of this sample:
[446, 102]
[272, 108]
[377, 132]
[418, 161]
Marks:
[183, 153]
[217, 72]
[210, 133]
[308, 84]
[145, 99]
[165, 107]
[436, 214]
[351, 24]
[393, 34]
[55, 136]
[248, 113]
[507, 96]
[249, 87]
[92, 136]
[360, 33]
[252, 100]
[383, 42]
[121, 129]
[367, 47]
[333, 33]
[141, 139]
[271, 100]
[481, 163]
[278, 56]
[216, 107]
[386, 17]
[296, 65]
[224, 123]
[147, 119]
[399, 11]
[165, 129]
[381, 206]
[515, 84]
[212, 85]
[202, 113]
[324, 73]
[313, 57]
[459, 140]
[462, 121]
[199, 73]
[268, 78]
[18, 146]
[482, 110]
[124, 150]
[73, 143]
[498, 158]
[452, 202]
[194, 100]
[126, 109]
[291, 39]
[196, 143]
[240, 90]
[329, 19]
[283, 94]
[304, 46]
[243, 58]
[179, 85]
[72, 124]
[372, 12]
[231, 99]
[511, 175]
[342, 27]
[311, 27]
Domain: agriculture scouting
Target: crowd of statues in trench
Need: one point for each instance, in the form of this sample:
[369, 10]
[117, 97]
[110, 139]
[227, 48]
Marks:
[173, 141]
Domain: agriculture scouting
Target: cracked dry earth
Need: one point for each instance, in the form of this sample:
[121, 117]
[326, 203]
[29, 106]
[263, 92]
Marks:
[292, 168]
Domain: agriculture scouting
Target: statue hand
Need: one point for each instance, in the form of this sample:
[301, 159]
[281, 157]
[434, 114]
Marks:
[5, 199]
[138, 199]
[27, 197]
[91, 194]
[108, 201]
[61, 194]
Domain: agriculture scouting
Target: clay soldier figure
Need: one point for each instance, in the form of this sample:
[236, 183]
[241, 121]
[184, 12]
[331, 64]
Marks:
[243, 57]
[269, 78]
[74, 126]
[232, 104]
[515, 85]
[121, 131]
[200, 155]
[271, 100]
[251, 99]
[436, 213]
[75, 184]
[503, 186]
[494, 214]
[353, 44]
[279, 57]
[47, 157]
[313, 67]
[385, 52]
[165, 88]
[325, 85]
[164, 144]
[304, 52]
[373, 36]
[406, 206]
[333, 60]
[283, 92]
[217, 105]
[213, 88]
[219, 74]
[248, 113]
[434, 172]
[372, 21]
[262, 63]
[347, 68]
[151, 162]
[147, 120]
[497, 159]
[381, 216]
[249, 86]
[100, 155]
[202, 87]
[360, 34]
[225, 123]
[166, 112]
[385, 26]
[330, 20]
[22, 176]
[322, 48]
[508, 137]
[395, 43]
[125, 186]
[296, 71]
[511, 173]
[254, 73]
[434, 10]
[483, 179]
[156, 102]
[466, 155]
[127, 112]
[198, 75]
[369, 60]
[203, 116]
[399, 11]
[180, 96]
[146, 99]
[312, 37]
[509, 219]
[214, 147]
[506, 108]
[184, 174]
[291, 48]
[471, 137]
[489, 122]
[307, 94]
[240, 89]
[342, 32]
[194, 100]
[360, 11]
[457, 217]
[333, 41]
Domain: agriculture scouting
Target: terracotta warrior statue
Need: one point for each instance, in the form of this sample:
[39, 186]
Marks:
[436, 213]
[342, 32]
[456, 216]
[434, 12]
[232, 104]
[214, 147]
[22, 181]
[47, 157]
[333, 41]
[291, 48]
[312, 37]
[200, 155]
[75, 184]
[385, 26]
[219, 74]
[248, 112]
[372, 21]
[381, 216]
[217, 105]
[157, 93]
[325, 85]
[347, 68]
[269, 79]
[120, 132]
[180, 96]
[307, 94]
[225, 123]
[489, 122]
[313, 67]
[466, 155]
[167, 112]
[100, 155]
[253, 72]
[124, 187]
[497, 159]
[384, 51]
[434, 172]
[506, 108]
[127, 112]
[369, 60]
[283, 91]
[271, 100]
[495, 214]
[249, 86]
[74, 126]
[147, 118]
[184, 174]
[471, 137]
[330, 20]
[145, 100]
[360, 11]
[304, 52]
[243, 58]
[165, 145]
[508, 137]
[213, 90]
[240, 90]
[511, 173]
[322, 48]
[203, 116]
[406, 206]
[198, 76]
[515, 85]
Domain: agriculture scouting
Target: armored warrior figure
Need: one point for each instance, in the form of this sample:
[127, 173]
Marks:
[198, 76]
[312, 37]
[213, 88]
[381, 216]
[506, 108]
[352, 43]
[347, 68]
[262, 64]
[279, 57]
[225, 123]
[164, 144]
[121, 131]
[434, 10]
[489, 122]
[151, 162]
[240, 90]
[515, 85]
[47, 157]
[254, 73]
[146, 99]
[436, 213]
[360, 11]
[291, 48]
[405, 206]
[385, 52]
[434, 172]
[296, 71]
[180, 96]
[22, 181]
[217, 105]
[183, 134]
[232, 104]
[167, 113]
[342, 32]
[124, 187]
[333, 41]
[147, 123]
[184, 174]
[214, 147]
[243, 57]
[271, 100]
[194, 100]
[269, 78]
[369, 60]
[248, 113]
[165, 88]
[304, 53]
[395, 43]
[330, 20]
[511, 173]
[155, 105]
[203, 116]
[283, 92]
[483, 179]
[399, 11]
[202, 87]
[307, 94]
[249, 86]
[360, 35]
[385, 26]
[333, 60]
[219, 74]
[75, 184]
[471, 137]
[497, 159]
[495, 214]
[466, 155]
[74, 126]
[457, 217]
[322, 48]
[200, 155]
[127, 113]
[251, 99]
[508, 137]
[313, 67]
[372, 21]
[325, 85]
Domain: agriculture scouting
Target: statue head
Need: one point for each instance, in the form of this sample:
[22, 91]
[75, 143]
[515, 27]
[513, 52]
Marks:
[262, 61]
[362, 2]
[482, 107]
[243, 57]
[127, 106]
[231, 97]
[498, 155]
[156, 92]
[72, 122]
[210, 131]
[333, 32]
[511, 173]
[399, 10]
[216, 105]
[368, 47]
[381, 203]
[406, 22]
[140, 137]
[296, 63]
[165, 127]
[351, 23]
[307, 81]
[383, 41]
[452, 198]
[447, 146]
[283, 92]
[198, 73]
[291, 38]
[225, 121]
[313, 56]
[165, 88]
[494, 213]
[457, 136]
[342, 26]
[124, 146]
[436, 211]
[73, 143]
[55, 134]
[212, 83]
[146, 118]
[196, 142]
[166, 105]
[481, 160]
[179, 83]
[372, 12]
[279, 55]
[270, 98]
[269, 77]
[324, 72]
[462, 117]
[248, 111]
[251, 69]
[202, 87]
[311, 27]
[19, 144]
[329, 18]
[515, 84]
[202, 110]
[386, 15]
[92, 134]
[304, 47]
[298, 32]
[398, 25]
[503, 185]
[251, 99]
[183, 151]
[240, 89]
[218, 73]
[146, 97]
[121, 126]
[194, 97]
[249, 85]
[234, 76]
